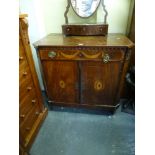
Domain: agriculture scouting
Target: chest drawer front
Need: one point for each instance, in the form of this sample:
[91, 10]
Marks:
[92, 55]
[28, 102]
[26, 88]
[24, 73]
[27, 125]
[22, 56]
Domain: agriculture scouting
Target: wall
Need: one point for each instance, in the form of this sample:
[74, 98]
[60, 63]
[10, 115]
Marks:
[47, 16]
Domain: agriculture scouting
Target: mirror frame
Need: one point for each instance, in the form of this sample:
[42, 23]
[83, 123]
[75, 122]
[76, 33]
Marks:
[101, 2]
[89, 15]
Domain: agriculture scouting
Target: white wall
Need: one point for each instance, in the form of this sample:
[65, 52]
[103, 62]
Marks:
[118, 11]
[47, 16]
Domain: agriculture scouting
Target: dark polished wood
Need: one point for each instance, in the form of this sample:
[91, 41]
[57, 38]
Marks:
[59, 41]
[61, 80]
[83, 71]
[99, 82]
[85, 29]
[31, 109]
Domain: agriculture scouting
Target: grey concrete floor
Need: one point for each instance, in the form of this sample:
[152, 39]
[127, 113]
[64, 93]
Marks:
[71, 133]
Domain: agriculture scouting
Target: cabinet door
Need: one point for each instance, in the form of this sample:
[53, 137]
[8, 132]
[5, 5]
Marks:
[99, 82]
[61, 80]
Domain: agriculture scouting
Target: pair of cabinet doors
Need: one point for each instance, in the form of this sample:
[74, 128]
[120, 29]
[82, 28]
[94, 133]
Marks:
[74, 82]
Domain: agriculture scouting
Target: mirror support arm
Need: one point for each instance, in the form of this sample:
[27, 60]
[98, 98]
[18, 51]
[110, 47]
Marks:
[106, 12]
[67, 9]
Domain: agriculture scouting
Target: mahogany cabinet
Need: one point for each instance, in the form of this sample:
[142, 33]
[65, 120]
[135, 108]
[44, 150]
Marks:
[31, 109]
[83, 71]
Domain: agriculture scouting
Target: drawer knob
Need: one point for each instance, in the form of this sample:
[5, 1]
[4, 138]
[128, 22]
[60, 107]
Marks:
[21, 58]
[106, 58]
[27, 128]
[22, 116]
[101, 29]
[68, 29]
[37, 113]
[24, 73]
[52, 54]
[29, 88]
[33, 101]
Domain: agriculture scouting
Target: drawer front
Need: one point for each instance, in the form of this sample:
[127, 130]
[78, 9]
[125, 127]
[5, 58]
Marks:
[27, 103]
[85, 30]
[27, 124]
[95, 55]
[22, 56]
[24, 72]
[25, 88]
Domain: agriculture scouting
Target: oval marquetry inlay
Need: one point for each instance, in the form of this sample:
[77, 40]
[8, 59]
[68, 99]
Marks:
[98, 85]
[62, 84]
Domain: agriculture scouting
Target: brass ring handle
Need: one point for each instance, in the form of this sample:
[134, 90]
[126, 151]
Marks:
[106, 58]
[52, 54]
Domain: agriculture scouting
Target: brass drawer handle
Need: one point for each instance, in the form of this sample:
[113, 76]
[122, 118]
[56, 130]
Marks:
[106, 58]
[52, 54]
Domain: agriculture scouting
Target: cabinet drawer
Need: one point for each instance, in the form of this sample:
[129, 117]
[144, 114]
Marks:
[94, 55]
[27, 125]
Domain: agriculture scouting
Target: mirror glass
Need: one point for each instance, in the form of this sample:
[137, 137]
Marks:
[85, 8]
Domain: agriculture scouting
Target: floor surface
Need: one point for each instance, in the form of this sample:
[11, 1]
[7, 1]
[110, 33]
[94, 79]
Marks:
[73, 133]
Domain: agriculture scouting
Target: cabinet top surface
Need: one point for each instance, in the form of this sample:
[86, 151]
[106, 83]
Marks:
[111, 40]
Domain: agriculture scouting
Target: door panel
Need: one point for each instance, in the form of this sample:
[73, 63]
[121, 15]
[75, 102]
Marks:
[99, 82]
[61, 81]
